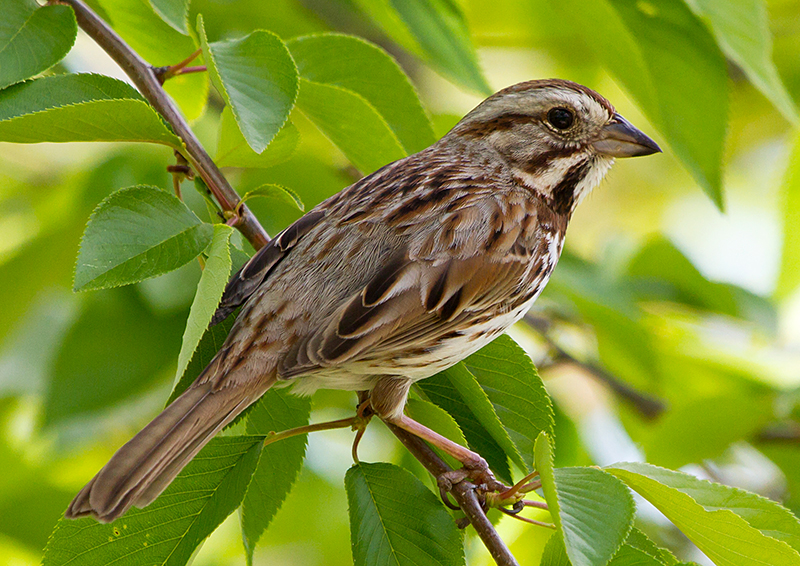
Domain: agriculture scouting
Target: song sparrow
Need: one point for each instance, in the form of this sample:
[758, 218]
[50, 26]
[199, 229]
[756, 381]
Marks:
[395, 278]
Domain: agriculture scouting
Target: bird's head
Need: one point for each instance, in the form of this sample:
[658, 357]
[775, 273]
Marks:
[559, 137]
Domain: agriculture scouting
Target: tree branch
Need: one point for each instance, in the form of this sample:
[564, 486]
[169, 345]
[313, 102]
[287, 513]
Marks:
[463, 493]
[787, 433]
[144, 77]
[650, 407]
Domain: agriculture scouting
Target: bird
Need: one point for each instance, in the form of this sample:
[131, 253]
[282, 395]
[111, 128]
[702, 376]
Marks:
[397, 277]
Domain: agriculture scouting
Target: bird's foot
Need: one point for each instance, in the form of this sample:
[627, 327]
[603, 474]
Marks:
[477, 472]
[364, 414]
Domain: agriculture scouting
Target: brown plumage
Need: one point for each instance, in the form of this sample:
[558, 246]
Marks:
[393, 279]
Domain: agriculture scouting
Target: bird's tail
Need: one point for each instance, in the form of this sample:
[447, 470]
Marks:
[146, 465]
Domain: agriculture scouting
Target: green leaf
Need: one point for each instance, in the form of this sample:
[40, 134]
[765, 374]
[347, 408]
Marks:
[789, 276]
[457, 391]
[33, 40]
[441, 30]
[209, 291]
[630, 556]
[257, 78]
[384, 15]
[661, 265]
[276, 192]
[209, 345]
[173, 12]
[233, 150]
[67, 108]
[507, 375]
[395, 520]
[639, 541]
[660, 51]
[742, 31]
[592, 510]
[554, 553]
[366, 69]
[31, 502]
[168, 530]
[724, 536]
[116, 349]
[280, 463]
[761, 513]
[351, 123]
[703, 426]
[624, 345]
[638, 550]
[137, 233]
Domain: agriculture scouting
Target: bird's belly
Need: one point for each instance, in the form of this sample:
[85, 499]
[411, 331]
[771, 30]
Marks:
[453, 350]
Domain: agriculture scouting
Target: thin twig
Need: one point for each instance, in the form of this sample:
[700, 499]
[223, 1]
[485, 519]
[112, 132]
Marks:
[537, 504]
[527, 520]
[187, 70]
[463, 493]
[649, 406]
[786, 432]
[165, 73]
[144, 77]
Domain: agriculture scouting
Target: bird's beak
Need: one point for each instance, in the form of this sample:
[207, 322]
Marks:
[619, 138]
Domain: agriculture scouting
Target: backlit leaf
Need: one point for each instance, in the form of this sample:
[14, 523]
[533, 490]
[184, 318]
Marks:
[724, 536]
[212, 283]
[742, 31]
[440, 28]
[660, 51]
[351, 123]
[66, 108]
[361, 67]
[233, 150]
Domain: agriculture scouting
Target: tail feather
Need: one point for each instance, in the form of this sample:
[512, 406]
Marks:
[148, 463]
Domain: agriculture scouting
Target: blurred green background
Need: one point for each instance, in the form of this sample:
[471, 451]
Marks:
[658, 289]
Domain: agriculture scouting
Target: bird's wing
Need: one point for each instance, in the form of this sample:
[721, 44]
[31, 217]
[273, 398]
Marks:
[253, 273]
[472, 265]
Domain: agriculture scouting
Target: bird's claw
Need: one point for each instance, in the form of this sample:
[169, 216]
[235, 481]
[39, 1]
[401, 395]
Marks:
[477, 473]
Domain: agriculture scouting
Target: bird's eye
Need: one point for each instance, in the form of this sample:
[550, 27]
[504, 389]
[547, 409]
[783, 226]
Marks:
[561, 118]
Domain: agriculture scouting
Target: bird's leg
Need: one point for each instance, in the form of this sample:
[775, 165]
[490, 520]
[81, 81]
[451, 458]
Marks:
[475, 467]
[388, 398]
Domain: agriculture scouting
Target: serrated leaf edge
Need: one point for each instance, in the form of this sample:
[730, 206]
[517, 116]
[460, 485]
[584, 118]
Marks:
[294, 196]
[362, 99]
[212, 67]
[69, 48]
[92, 216]
[417, 101]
